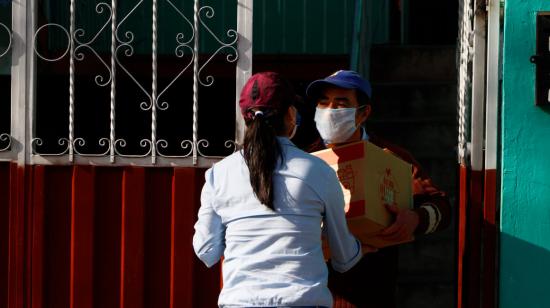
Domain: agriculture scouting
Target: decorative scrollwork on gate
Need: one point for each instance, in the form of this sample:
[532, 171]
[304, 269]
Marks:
[123, 46]
[232, 56]
[80, 33]
[7, 48]
[5, 142]
[5, 138]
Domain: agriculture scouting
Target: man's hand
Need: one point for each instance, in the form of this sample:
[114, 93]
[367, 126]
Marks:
[403, 228]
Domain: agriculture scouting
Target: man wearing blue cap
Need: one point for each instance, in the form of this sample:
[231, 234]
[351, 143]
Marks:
[343, 105]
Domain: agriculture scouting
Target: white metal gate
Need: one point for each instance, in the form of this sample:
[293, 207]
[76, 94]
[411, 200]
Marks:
[23, 143]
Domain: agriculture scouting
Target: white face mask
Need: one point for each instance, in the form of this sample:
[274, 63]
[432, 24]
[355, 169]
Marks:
[335, 125]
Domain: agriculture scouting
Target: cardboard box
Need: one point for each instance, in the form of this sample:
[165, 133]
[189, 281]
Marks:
[370, 177]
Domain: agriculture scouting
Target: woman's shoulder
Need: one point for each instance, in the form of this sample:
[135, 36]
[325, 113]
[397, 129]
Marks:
[300, 160]
[232, 161]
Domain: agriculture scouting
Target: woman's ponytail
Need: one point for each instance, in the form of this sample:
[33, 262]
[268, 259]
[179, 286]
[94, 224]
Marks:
[262, 152]
[264, 102]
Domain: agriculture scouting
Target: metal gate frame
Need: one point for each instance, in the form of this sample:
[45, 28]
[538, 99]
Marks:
[478, 226]
[23, 91]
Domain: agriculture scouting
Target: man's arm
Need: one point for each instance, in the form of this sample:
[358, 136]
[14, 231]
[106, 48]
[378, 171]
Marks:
[431, 205]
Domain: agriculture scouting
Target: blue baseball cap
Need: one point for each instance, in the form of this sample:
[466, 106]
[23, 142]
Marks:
[342, 79]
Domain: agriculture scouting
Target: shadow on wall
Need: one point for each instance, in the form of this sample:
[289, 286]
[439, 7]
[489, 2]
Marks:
[524, 273]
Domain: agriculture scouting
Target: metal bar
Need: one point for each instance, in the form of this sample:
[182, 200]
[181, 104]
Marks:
[6, 150]
[475, 203]
[464, 79]
[478, 86]
[22, 78]
[71, 80]
[490, 210]
[62, 160]
[195, 80]
[112, 114]
[463, 99]
[154, 85]
[493, 55]
[244, 63]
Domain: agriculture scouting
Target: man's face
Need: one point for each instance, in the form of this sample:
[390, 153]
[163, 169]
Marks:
[336, 98]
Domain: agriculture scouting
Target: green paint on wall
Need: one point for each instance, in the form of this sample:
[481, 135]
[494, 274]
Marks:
[303, 26]
[280, 26]
[525, 205]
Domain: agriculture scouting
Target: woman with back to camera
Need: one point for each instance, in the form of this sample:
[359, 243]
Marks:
[262, 208]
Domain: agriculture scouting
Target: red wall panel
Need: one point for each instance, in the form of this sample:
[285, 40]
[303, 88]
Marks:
[4, 231]
[85, 236]
[132, 232]
[57, 237]
[107, 237]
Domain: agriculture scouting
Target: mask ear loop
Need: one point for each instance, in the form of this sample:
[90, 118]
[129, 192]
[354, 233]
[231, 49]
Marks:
[297, 123]
[360, 124]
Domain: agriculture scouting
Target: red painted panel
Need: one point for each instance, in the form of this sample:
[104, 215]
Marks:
[14, 256]
[490, 241]
[184, 192]
[201, 288]
[57, 236]
[37, 265]
[469, 237]
[475, 220]
[4, 230]
[132, 250]
[84, 236]
[158, 193]
[107, 236]
[28, 191]
[462, 235]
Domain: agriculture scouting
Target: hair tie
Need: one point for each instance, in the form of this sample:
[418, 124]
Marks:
[258, 113]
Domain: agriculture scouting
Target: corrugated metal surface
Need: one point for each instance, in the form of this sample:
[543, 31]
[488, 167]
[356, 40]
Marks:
[280, 26]
[303, 26]
[87, 236]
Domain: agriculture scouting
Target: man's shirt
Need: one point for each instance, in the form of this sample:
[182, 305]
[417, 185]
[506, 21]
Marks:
[274, 258]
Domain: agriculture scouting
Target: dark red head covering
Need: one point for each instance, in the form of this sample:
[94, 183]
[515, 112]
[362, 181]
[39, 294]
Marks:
[267, 91]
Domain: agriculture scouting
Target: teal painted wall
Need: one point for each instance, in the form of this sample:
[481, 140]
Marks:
[525, 205]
